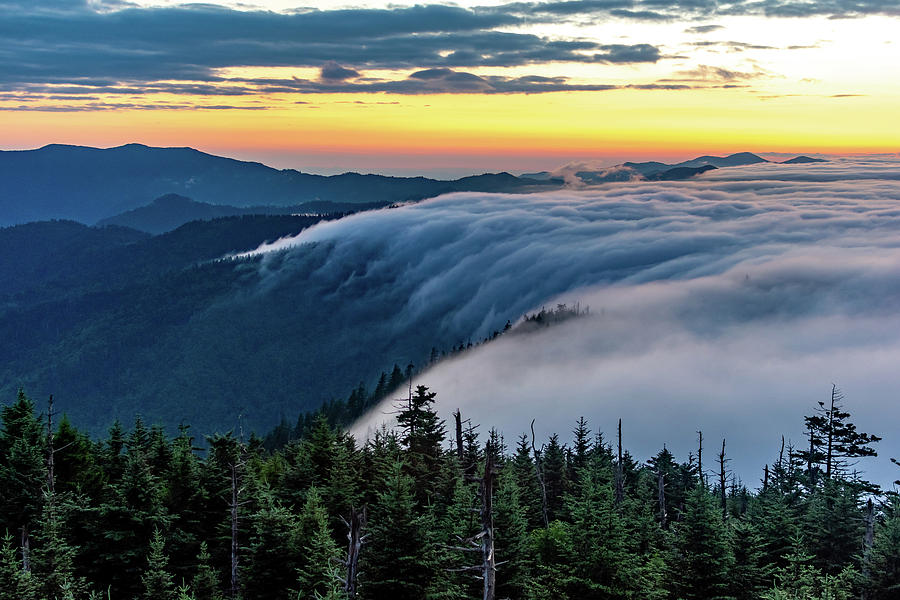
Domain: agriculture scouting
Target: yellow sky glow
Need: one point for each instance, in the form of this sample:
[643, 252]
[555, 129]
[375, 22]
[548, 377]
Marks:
[836, 95]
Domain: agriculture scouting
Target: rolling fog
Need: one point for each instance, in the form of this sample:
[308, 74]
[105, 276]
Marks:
[727, 304]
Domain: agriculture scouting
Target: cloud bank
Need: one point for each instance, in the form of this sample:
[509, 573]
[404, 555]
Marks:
[727, 304]
[74, 47]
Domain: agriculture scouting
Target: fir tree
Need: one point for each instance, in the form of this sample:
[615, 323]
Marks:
[205, 584]
[318, 573]
[397, 561]
[15, 583]
[704, 550]
[421, 437]
[883, 559]
[157, 581]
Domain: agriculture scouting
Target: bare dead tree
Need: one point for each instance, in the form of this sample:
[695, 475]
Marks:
[488, 561]
[781, 456]
[539, 469]
[236, 467]
[620, 474]
[661, 490]
[51, 478]
[766, 477]
[459, 439]
[483, 541]
[700, 457]
[723, 500]
[355, 540]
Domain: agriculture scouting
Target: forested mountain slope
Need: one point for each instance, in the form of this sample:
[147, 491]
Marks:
[90, 184]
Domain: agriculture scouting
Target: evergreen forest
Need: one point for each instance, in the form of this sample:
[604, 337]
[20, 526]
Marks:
[434, 510]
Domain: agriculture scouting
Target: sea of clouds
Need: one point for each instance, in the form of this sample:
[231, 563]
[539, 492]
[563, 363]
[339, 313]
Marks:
[728, 304]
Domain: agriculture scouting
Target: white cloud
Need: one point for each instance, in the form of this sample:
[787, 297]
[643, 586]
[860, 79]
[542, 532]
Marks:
[729, 303]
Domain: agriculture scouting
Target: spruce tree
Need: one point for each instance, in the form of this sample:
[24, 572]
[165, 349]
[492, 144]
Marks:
[273, 551]
[22, 471]
[15, 583]
[318, 573]
[422, 433]
[882, 563]
[705, 556]
[54, 556]
[205, 584]
[397, 558]
[157, 581]
[511, 540]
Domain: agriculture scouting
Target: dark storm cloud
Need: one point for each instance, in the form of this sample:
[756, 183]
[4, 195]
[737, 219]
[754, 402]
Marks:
[726, 304]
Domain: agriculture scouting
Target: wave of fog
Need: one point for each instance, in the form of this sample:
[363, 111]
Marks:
[729, 303]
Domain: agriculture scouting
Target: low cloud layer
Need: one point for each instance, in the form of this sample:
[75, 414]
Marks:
[727, 304]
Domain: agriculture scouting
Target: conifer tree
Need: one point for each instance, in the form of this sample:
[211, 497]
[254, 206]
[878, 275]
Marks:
[157, 581]
[422, 435]
[524, 472]
[318, 574]
[705, 556]
[882, 563]
[273, 552]
[15, 582]
[205, 584]
[397, 560]
[22, 473]
[555, 476]
[834, 528]
[511, 541]
[54, 556]
[833, 440]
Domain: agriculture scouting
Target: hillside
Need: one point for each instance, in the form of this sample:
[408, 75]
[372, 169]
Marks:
[154, 325]
[91, 184]
[171, 211]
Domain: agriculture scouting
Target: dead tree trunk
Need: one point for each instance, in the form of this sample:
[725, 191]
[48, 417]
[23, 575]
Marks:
[781, 456]
[766, 478]
[51, 478]
[26, 549]
[234, 532]
[540, 475]
[355, 538]
[723, 499]
[459, 436]
[620, 474]
[661, 490]
[700, 457]
[488, 561]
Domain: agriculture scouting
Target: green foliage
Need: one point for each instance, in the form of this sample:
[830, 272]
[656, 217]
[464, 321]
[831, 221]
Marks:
[157, 581]
[882, 563]
[402, 566]
[800, 580]
[205, 584]
[704, 556]
[102, 529]
[15, 583]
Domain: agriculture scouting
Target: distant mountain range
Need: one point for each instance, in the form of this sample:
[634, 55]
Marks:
[92, 184]
[659, 171]
[171, 211]
[734, 160]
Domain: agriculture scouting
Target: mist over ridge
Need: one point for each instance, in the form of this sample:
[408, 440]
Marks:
[728, 303]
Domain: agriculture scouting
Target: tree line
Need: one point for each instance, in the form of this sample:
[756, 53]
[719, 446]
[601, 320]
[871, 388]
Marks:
[419, 512]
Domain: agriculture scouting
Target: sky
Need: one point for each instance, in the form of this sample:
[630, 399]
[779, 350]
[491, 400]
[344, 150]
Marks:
[727, 304]
[444, 88]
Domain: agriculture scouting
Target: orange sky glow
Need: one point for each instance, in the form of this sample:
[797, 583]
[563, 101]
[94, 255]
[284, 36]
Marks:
[741, 86]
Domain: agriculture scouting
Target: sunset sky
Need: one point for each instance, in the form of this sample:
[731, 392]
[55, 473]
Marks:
[439, 88]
